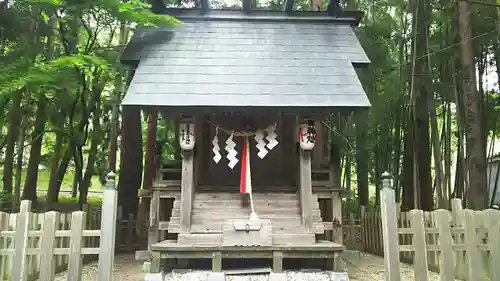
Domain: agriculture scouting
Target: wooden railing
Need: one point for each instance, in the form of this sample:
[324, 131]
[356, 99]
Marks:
[459, 243]
[37, 245]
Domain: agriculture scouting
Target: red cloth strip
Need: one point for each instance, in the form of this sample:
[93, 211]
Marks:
[244, 162]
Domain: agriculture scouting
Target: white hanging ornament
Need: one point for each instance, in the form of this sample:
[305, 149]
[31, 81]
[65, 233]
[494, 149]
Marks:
[261, 144]
[216, 149]
[271, 137]
[307, 134]
[231, 152]
[186, 136]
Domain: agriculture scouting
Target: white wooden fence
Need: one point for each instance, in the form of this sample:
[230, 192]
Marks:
[36, 245]
[464, 243]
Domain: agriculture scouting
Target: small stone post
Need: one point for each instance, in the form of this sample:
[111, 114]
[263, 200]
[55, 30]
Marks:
[389, 229]
[108, 230]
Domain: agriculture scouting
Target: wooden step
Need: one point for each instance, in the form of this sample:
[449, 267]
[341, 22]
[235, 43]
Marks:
[234, 204]
[216, 239]
[175, 227]
[233, 212]
[256, 195]
[201, 217]
[167, 184]
[200, 238]
[235, 207]
[293, 239]
[170, 170]
[289, 219]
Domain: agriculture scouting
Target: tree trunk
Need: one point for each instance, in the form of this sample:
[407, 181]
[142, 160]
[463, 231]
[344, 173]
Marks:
[19, 163]
[119, 90]
[408, 171]
[54, 162]
[12, 136]
[30, 184]
[129, 181]
[362, 158]
[447, 149]
[421, 16]
[475, 145]
[58, 175]
[90, 170]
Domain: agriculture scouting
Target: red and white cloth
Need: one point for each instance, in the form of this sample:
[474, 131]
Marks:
[246, 177]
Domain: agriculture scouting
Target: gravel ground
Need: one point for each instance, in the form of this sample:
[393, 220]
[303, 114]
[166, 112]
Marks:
[371, 268]
[367, 268]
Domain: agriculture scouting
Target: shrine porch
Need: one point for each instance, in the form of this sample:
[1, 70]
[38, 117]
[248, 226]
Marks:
[326, 250]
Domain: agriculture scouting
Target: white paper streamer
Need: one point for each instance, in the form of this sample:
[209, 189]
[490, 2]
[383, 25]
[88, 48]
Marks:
[231, 152]
[216, 149]
[261, 144]
[271, 137]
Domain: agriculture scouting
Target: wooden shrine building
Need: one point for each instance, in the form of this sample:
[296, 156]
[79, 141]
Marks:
[250, 92]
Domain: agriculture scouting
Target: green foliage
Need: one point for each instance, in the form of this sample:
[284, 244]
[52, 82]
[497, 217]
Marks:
[67, 52]
[50, 75]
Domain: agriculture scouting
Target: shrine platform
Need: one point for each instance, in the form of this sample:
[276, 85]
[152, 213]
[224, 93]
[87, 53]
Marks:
[327, 250]
[220, 228]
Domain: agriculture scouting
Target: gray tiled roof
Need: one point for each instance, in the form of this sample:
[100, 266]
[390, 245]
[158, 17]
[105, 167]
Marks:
[263, 64]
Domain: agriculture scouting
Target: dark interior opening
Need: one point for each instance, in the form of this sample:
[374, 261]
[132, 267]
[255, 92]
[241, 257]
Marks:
[294, 264]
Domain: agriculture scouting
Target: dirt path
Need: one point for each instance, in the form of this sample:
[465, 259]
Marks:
[367, 268]
[126, 269]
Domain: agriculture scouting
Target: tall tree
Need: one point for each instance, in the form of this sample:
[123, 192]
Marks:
[477, 194]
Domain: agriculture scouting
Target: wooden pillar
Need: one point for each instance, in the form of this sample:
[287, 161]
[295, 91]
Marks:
[337, 217]
[108, 230]
[318, 151]
[187, 190]
[305, 183]
[150, 173]
[149, 166]
[154, 212]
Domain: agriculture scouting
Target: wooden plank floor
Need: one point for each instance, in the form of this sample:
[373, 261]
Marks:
[172, 249]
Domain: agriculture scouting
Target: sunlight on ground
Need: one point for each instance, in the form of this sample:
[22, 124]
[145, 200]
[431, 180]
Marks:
[43, 180]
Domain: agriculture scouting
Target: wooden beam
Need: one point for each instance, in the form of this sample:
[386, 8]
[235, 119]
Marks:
[333, 7]
[157, 6]
[288, 6]
[154, 213]
[247, 6]
[187, 190]
[204, 6]
[337, 218]
[318, 152]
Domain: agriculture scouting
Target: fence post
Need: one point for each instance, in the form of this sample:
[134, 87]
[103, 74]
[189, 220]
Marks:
[19, 270]
[108, 230]
[389, 229]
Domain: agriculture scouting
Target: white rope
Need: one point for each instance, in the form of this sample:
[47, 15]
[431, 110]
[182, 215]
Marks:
[237, 133]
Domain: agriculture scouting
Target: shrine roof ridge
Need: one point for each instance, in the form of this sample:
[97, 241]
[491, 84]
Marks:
[352, 17]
